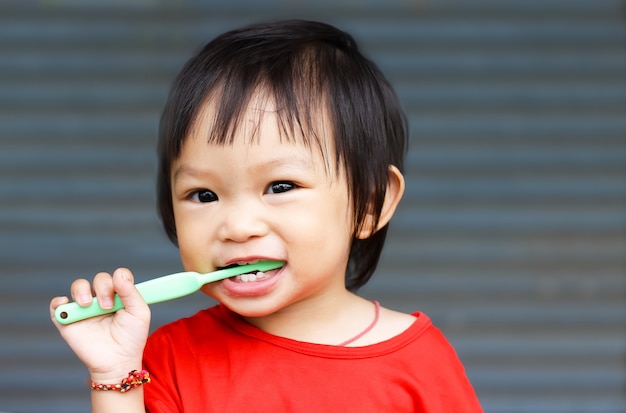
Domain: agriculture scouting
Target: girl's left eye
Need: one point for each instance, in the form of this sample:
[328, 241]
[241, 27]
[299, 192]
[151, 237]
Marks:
[280, 187]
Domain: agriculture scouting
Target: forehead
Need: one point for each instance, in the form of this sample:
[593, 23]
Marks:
[261, 119]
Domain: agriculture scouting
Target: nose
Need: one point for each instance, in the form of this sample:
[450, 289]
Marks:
[241, 221]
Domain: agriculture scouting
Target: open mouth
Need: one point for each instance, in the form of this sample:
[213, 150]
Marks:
[252, 276]
[252, 279]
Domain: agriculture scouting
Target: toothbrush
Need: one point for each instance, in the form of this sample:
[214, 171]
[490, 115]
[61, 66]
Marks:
[167, 287]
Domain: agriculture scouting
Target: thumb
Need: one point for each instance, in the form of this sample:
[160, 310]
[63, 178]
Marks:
[123, 283]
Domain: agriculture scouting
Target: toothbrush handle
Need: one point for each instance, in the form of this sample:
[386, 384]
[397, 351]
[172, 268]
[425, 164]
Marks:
[72, 312]
[153, 291]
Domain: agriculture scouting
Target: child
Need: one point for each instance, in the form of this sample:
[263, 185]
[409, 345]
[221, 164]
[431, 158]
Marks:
[278, 141]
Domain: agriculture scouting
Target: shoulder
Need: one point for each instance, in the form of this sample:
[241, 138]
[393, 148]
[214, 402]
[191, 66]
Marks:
[408, 331]
[395, 322]
[390, 324]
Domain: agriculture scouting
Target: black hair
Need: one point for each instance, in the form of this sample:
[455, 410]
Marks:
[304, 67]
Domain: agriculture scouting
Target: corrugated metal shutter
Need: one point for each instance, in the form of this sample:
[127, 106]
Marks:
[512, 236]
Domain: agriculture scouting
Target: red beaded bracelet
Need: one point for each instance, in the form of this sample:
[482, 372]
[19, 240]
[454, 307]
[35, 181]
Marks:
[135, 379]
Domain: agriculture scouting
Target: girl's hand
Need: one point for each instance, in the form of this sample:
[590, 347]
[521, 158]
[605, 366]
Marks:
[110, 345]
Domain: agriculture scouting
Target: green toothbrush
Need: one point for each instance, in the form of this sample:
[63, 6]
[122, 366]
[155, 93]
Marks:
[167, 287]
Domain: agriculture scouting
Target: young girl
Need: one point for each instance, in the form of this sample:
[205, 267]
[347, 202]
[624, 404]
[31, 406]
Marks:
[278, 142]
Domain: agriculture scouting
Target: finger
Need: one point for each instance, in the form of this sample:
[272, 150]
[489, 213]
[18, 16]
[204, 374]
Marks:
[54, 303]
[81, 292]
[103, 287]
[133, 301]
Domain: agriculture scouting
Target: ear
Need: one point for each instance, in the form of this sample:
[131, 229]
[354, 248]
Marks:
[393, 195]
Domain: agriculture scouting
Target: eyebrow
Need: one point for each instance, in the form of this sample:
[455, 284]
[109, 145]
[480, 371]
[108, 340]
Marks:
[288, 161]
[187, 170]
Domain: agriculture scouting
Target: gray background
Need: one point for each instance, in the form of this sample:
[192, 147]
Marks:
[512, 235]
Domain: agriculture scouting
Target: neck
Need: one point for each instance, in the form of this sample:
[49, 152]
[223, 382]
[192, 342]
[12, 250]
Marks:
[328, 319]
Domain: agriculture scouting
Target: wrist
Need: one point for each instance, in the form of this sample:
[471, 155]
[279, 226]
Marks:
[134, 379]
[114, 376]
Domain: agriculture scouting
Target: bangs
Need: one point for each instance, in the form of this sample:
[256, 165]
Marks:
[298, 107]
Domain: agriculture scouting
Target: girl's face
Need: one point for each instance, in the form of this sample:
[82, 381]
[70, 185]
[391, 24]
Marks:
[262, 198]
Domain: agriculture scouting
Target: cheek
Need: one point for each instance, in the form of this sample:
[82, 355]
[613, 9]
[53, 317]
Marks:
[188, 222]
[324, 224]
[186, 235]
[186, 254]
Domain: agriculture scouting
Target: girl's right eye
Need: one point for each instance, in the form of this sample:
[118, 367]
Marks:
[204, 195]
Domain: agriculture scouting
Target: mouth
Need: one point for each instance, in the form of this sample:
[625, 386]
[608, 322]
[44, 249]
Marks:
[253, 275]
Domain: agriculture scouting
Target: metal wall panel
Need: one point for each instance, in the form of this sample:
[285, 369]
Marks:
[512, 235]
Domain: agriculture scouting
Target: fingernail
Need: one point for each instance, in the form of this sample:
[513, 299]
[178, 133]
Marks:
[125, 275]
[106, 303]
[84, 299]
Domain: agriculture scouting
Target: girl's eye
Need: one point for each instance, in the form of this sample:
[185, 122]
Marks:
[204, 195]
[280, 187]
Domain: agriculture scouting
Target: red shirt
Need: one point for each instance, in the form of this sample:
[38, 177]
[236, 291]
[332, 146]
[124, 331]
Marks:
[216, 362]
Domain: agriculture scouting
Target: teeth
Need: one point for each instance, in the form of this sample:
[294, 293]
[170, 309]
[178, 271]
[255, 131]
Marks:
[252, 277]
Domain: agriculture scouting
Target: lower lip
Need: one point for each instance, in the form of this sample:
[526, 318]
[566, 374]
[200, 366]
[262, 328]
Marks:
[252, 288]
